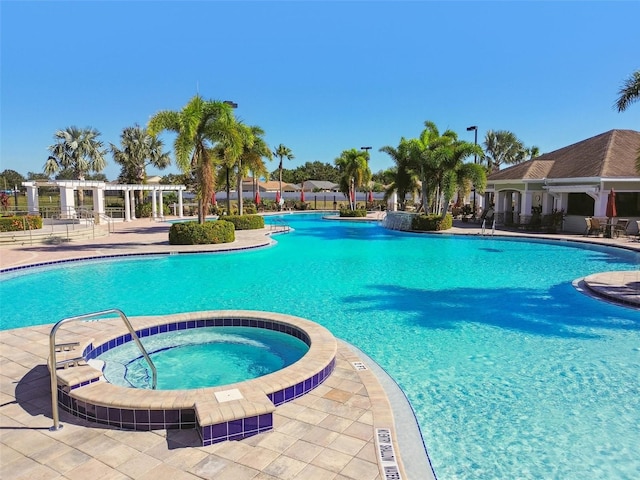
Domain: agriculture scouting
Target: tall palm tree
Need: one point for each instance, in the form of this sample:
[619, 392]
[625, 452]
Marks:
[138, 151]
[355, 172]
[455, 175]
[199, 126]
[281, 152]
[78, 150]
[404, 180]
[629, 92]
[502, 147]
[426, 159]
[254, 149]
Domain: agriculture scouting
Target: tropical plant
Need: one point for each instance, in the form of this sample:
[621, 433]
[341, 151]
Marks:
[77, 150]
[456, 175]
[138, 151]
[199, 126]
[503, 147]
[354, 172]
[401, 179]
[250, 160]
[281, 152]
[629, 93]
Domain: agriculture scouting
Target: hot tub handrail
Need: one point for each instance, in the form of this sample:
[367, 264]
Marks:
[52, 356]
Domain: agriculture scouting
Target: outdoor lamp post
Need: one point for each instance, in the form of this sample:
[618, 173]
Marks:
[475, 160]
[366, 149]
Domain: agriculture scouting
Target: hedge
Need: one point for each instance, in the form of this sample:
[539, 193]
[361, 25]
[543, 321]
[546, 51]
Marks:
[194, 233]
[353, 213]
[19, 223]
[245, 222]
[431, 223]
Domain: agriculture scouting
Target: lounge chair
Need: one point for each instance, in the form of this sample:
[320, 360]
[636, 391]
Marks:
[587, 231]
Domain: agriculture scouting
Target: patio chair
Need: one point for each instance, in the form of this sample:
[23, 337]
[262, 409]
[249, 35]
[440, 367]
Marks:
[587, 231]
[596, 227]
[620, 227]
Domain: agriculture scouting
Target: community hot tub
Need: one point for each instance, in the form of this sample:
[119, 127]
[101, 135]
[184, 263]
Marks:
[226, 412]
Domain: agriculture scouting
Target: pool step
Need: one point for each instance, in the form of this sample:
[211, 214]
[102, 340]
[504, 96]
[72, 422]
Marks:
[71, 362]
[66, 347]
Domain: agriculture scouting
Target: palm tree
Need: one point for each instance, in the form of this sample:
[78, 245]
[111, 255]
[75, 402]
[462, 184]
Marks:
[404, 180]
[199, 126]
[502, 147]
[629, 92]
[139, 150]
[254, 149]
[426, 159]
[455, 175]
[78, 150]
[282, 152]
[355, 172]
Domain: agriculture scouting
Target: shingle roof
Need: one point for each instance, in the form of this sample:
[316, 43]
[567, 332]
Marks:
[610, 154]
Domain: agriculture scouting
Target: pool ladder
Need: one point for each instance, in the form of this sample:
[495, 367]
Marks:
[54, 348]
[279, 226]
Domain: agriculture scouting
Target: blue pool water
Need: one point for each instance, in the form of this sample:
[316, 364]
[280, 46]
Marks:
[511, 371]
[202, 357]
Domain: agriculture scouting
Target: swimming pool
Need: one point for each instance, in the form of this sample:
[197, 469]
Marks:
[203, 357]
[512, 373]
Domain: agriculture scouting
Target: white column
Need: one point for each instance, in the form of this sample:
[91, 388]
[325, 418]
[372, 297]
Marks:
[127, 206]
[154, 209]
[33, 206]
[160, 205]
[132, 202]
[67, 202]
[180, 211]
[98, 200]
[392, 204]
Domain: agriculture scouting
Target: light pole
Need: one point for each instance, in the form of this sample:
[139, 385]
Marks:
[475, 160]
[366, 149]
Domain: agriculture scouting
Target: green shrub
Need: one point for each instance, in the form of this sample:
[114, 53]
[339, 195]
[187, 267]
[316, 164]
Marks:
[431, 223]
[194, 233]
[17, 223]
[344, 212]
[245, 222]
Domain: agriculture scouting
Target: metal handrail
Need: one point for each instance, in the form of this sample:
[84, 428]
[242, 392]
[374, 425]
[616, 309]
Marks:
[52, 357]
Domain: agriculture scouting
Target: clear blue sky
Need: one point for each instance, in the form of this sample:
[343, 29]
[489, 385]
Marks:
[319, 77]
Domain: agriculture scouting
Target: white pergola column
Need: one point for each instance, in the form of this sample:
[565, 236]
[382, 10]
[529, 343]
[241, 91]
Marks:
[160, 205]
[67, 202]
[180, 211]
[33, 206]
[132, 203]
[127, 206]
[154, 208]
[98, 201]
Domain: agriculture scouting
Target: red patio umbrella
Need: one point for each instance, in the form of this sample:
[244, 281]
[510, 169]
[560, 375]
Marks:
[278, 196]
[612, 211]
[302, 195]
[370, 196]
[257, 197]
[213, 198]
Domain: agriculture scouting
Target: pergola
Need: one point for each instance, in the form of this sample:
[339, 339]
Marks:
[67, 196]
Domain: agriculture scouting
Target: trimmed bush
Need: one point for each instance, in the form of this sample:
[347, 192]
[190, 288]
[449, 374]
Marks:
[352, 213]
[245, 222]
[19, 223]
[431, 223]
[194, 233]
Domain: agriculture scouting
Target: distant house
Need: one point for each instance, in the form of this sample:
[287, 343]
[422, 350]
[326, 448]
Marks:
[575, 179]
[319, 186]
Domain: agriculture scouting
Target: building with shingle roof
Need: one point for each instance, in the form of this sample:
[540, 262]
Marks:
[575, 179]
